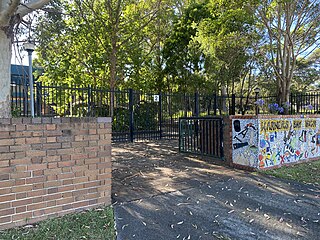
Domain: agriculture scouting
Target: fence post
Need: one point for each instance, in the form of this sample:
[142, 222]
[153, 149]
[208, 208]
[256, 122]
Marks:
[39, 99]
[26, 101]
[89, 101]
[221, 123]
[298, 101]
[215, 104]
[196, 104]
[131, 120]
[291, 103]
[160, 114]
[233, 105]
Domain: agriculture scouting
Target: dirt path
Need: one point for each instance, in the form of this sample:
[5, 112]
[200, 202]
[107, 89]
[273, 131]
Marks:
[159, 193]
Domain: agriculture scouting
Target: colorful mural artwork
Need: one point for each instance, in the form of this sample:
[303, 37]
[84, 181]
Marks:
[287, 140]
[278, 141]
[245, 142]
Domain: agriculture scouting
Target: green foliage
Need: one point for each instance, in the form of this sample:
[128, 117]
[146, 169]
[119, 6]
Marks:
[307, 73]
[91, 37]
[15, 111]
[121, 120]
[209, 45]
[228, 38]
[184, 59]
[220, 46]
[145, 116]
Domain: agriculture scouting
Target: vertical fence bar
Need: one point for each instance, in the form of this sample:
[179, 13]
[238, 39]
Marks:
[196, 104]
[13, 107]
[27, 101]
[291, 104]
[221, 138]
[18, 104]
[317, 102]
[215, 104]
[131, 120]
[233, 105]
[89, 100]
[39, 99]
[160, 114]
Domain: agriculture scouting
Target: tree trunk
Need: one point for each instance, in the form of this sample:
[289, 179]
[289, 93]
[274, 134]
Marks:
[113, 74]
[5, 75]
[224, 99]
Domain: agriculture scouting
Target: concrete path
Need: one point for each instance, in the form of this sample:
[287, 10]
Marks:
[159, 193]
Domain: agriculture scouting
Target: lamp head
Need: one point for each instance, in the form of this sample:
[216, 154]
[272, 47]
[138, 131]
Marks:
[29, 46]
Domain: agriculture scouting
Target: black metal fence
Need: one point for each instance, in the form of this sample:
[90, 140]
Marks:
[138, 115]
[201, 135]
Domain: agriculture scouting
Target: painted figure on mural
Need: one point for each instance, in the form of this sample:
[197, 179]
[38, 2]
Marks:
[244, 142]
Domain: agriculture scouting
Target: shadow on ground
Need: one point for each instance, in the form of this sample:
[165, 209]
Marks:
[159, 193]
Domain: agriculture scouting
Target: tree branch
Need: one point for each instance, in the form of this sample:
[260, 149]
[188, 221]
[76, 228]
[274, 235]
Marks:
[29, 7]
[5, 14]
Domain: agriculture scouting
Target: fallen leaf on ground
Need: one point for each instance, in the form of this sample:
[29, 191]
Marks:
[288, 225]
[266, 216]
[211, 196]
[124, 226]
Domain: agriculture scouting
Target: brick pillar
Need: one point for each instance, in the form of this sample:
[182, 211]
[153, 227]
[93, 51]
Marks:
[227, 139]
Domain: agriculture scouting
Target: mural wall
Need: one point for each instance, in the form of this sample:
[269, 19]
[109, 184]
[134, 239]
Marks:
[264, 143]
[288, 140]
[245, 142]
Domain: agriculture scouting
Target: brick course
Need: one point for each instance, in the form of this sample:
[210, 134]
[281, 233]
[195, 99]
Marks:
[52, 166]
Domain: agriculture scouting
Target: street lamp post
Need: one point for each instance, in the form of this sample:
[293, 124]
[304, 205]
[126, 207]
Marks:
[257, 91]
[29, 47]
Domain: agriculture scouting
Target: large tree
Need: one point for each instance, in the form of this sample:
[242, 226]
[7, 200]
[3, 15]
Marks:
[11, 14]
[291, 32]
[97, 41]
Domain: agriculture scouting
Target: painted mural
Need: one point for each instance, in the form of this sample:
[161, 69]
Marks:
[287, 140]
[245, 142]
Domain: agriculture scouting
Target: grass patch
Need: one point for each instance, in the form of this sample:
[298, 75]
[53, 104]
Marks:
[92, 224]
[304, 172]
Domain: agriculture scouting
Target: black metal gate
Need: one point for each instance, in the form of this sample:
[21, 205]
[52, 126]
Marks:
[201, 135]
[145, 116]
[137, 116]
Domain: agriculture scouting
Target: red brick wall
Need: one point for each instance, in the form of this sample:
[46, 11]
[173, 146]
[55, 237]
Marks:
[52, 166]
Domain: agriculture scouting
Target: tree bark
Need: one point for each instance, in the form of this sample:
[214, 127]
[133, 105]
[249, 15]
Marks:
[11, 12]
[5, 75]
[113, 72]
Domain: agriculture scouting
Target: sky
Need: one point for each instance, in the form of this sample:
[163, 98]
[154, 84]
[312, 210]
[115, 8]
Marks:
[16, 59]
